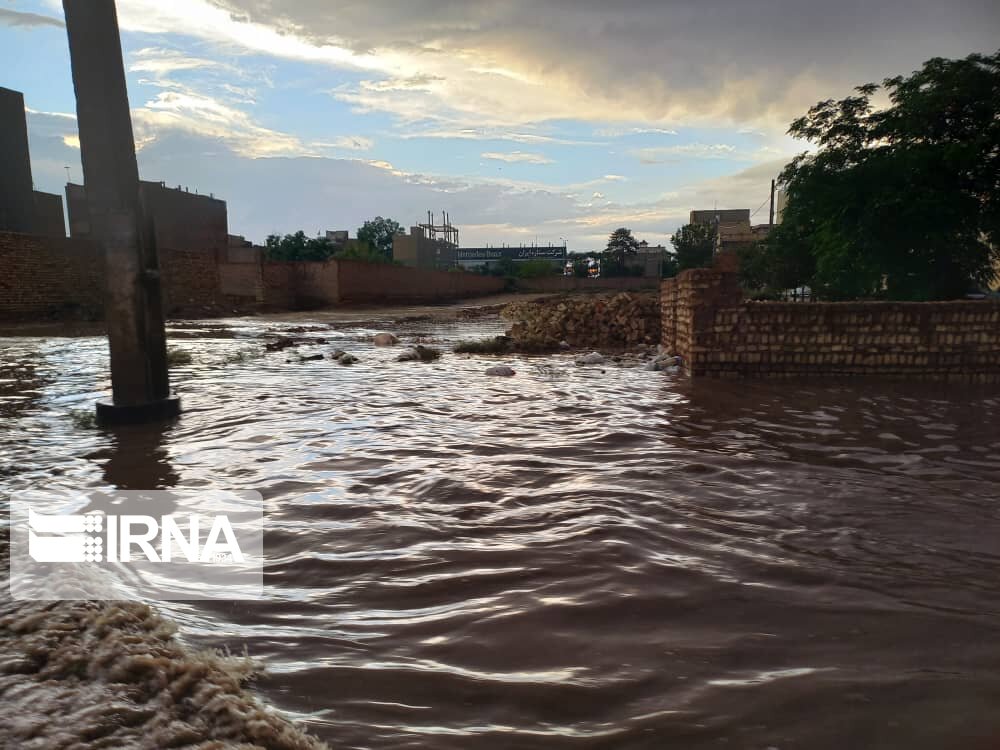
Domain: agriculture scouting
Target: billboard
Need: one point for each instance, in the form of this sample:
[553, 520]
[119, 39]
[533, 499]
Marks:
[492, 254]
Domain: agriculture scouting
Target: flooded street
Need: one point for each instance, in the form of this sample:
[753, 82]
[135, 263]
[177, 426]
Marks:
[576, 557]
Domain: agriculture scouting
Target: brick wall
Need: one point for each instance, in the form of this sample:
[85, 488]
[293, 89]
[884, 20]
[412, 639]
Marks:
[576, 284]
[316, 284]
[370, 282]
[706, 321]
[43, 277]
[278, 285]
[63, 277]
[190, 281]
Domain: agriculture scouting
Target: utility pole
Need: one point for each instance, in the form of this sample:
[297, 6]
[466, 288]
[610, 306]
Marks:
[770, 220]
[133, 307]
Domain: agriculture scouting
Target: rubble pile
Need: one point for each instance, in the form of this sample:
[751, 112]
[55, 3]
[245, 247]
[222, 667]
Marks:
[619, 321]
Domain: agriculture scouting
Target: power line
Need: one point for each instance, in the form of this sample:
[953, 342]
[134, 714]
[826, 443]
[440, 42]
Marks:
[760, 206]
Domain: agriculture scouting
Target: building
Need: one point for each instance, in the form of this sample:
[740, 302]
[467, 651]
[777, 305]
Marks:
[181, 219]
[649, 258]
[22, 208]
[732, 227]
[478, 258]
[420, 249]
[341, 240]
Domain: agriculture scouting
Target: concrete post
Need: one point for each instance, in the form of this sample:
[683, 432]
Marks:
[134, 313]
[17, 208]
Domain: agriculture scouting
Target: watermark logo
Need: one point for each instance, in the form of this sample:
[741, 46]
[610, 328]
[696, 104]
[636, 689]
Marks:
[180, 544]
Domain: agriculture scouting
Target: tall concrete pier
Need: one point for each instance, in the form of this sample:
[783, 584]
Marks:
[134, 313]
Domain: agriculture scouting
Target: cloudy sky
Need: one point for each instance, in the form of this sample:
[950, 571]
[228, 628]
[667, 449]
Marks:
[525, 119]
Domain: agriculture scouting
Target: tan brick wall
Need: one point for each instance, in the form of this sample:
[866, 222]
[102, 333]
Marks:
[706, 321]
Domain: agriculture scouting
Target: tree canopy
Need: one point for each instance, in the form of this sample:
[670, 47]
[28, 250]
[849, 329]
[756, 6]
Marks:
[298, 247]
[378, 233]
[694, 246]
[901, 202]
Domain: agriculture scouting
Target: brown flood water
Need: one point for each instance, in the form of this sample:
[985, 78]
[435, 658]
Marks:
[577, 557]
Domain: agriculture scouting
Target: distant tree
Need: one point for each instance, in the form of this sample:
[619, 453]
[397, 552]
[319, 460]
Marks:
[694, 246]
[621, 244]
[364, 253]
[901, 202]
[378, 233]
[298, 247]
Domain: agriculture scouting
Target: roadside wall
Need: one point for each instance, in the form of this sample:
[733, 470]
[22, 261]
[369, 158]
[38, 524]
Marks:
[63, 278]
[718, 334]
[49, 277]
[371, 282]
[577, 284]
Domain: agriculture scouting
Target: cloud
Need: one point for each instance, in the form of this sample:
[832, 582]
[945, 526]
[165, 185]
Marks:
[161, 62]
[665, 154]
[619, 132]
[348, 143]
[494, 134]
[642, 61]
[521, 157]
[28, 20]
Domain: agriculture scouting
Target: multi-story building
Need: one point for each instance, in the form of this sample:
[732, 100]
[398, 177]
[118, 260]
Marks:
[181, 219]
[22, 208]
[418, 250]
[732, 227]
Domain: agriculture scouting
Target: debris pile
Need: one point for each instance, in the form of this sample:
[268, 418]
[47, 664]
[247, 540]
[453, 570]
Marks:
[619, 321]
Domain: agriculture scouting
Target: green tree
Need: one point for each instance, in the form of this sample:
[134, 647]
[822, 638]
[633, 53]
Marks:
[621, 246]
[901, 202]
[694, 246]
[378, 233]
[364, 253]
[298, 247]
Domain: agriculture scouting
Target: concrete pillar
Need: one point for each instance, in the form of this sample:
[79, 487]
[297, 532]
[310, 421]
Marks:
[17, 202]
[133, 308]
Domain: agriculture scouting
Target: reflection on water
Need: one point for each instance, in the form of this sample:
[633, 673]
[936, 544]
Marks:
[575, 557]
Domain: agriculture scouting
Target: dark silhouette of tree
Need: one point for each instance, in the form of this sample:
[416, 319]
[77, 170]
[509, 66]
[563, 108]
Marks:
[621, 245]
[298, 247]
[378, 233]
[694, 246]
[900, 203]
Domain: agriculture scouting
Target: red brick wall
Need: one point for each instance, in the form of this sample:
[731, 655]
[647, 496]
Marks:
[279, 285]
[371, 282]
[49, 277]
[241, 282]
[706, 321]
[190, 281]
[573, 283]
[316, 284]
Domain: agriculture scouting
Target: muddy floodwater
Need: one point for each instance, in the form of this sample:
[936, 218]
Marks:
[575, 557]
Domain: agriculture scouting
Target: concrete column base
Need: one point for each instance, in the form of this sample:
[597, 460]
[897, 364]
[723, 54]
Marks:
[109, 413]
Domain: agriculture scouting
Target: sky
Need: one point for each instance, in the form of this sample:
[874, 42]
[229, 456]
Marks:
[529, 121]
